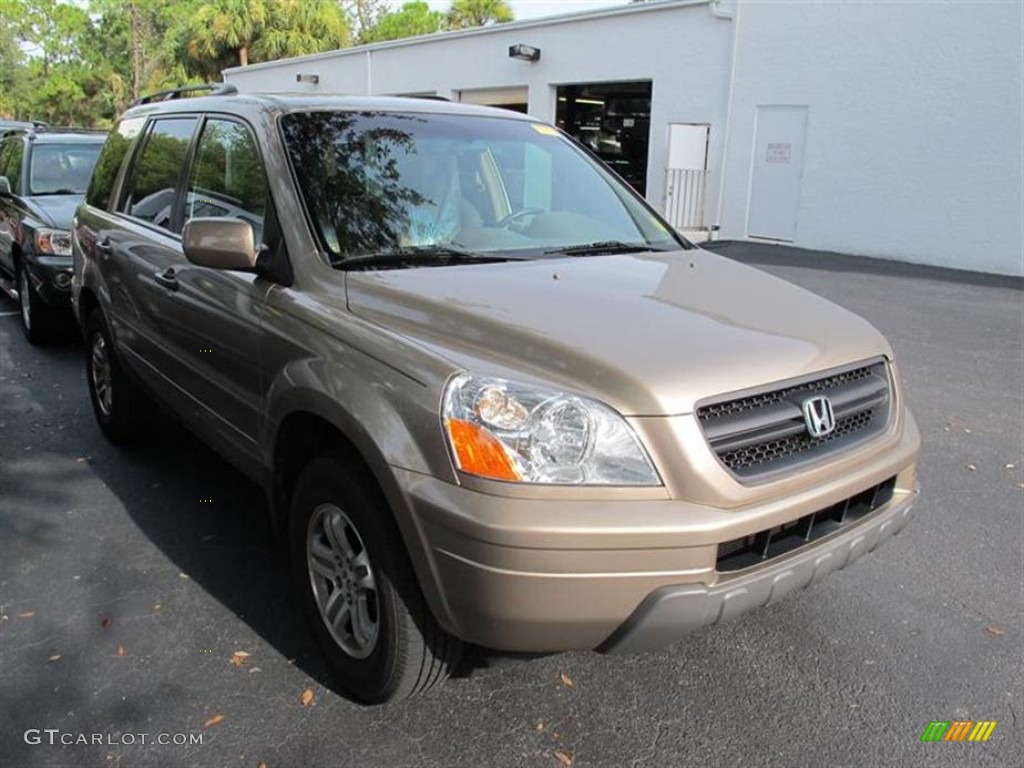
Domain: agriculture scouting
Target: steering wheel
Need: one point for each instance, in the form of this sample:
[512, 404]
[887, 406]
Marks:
[506, 222]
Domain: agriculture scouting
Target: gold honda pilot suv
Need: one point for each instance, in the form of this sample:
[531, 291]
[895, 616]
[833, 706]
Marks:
[492, 396]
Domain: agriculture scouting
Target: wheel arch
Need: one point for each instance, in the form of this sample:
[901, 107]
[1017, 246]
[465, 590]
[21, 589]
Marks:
[320, 425]
[87, 302]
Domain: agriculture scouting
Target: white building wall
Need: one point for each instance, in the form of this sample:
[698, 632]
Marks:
[914, 133]
[914, 129]
[681, 47]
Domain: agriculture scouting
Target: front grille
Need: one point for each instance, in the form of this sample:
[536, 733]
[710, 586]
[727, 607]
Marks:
[764, 545]
[764, 432]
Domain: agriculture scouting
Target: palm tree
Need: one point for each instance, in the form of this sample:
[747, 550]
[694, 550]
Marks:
[300, 27]
[477, 13]
[227, 24]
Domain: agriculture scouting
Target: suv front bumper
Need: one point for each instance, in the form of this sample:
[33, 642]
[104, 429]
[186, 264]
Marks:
[51, 278]
[624, 574]
[670, 612]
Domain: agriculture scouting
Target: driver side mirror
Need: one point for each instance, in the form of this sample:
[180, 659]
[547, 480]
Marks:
[5, 186]
[219, 243]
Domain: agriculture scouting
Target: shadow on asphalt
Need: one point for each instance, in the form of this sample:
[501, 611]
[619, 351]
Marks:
[212, 522]
[225, 545]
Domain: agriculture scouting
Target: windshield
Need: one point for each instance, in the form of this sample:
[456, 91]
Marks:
[377, 182]
[62, 169]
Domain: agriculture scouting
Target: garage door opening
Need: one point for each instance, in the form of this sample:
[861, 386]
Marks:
[515, 99]
[614, 121]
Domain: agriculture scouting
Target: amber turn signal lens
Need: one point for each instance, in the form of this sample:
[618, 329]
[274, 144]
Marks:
[479, 452]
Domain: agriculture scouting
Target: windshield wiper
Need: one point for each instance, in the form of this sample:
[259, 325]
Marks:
[418, 256]
[58, 192]
[605, 246]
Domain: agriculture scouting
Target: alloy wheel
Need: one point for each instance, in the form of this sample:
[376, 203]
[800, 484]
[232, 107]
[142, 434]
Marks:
[99, 371]
[343, 581]
[25, 299]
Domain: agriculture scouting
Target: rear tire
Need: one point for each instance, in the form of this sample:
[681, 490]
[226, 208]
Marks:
[119, 405]
[358, 588]
[38, 319]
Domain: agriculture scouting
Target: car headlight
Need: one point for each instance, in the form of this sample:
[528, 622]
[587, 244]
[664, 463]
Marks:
[503, 430]
[56, 242]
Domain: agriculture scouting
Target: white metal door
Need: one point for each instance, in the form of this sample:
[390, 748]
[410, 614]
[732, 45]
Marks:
[777, 168]
[686, 181]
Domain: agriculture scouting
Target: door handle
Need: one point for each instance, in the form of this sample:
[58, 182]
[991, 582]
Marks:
[167, 279]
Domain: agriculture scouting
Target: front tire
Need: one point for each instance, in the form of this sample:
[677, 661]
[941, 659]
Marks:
[119, 405]
[358, 588]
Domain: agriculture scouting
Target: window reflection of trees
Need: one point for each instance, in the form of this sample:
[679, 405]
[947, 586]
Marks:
[228, 165]
[157, 173]
[348, 165]
[227, 176]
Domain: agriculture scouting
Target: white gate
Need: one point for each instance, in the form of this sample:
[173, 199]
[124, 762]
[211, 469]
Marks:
[687, 176]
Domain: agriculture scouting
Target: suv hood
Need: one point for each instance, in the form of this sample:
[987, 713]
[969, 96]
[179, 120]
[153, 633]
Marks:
[649, 334]
[55, 210]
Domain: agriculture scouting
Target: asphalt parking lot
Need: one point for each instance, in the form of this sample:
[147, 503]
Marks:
[129, 579]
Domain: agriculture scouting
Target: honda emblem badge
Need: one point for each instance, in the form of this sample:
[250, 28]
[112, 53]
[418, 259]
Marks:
[819, 416]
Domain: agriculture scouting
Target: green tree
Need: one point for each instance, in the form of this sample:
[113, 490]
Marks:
[12, 58]
[414, 18]
[227, 25]
[476, 13]
[363, 15]
[52, 30]
[300, 27]
[222, 33]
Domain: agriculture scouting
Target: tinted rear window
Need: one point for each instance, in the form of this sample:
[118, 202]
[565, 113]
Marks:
[153, 191]
[110, 160]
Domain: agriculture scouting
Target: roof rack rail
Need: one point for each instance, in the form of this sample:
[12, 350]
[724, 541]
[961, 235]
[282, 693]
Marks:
[44, 128]
[215, 89]
[428, 97]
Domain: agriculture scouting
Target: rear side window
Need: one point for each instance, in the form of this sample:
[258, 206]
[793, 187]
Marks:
[153, 188]
[227, 176]
[101, 185]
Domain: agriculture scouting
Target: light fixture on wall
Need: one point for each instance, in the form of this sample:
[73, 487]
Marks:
[524, 52]
[311, 79]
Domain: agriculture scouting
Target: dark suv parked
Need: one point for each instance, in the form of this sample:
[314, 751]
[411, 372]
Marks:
[43, 176]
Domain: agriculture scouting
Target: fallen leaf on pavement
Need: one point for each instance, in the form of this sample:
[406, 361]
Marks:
[563, 758]
[971, 467]
[55, 657]
[120, 650]
[27, 614]
[566, 680]
[262, 765]
[996, 631]
[307, 697]
[238, 658]
[540, 725]
[106, 622]
[213, 721]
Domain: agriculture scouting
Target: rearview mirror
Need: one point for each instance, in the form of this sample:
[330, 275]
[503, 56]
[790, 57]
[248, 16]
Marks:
[5, 186]
[219, 243]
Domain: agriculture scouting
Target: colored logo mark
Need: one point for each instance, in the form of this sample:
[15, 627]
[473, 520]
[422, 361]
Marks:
[958, 730]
